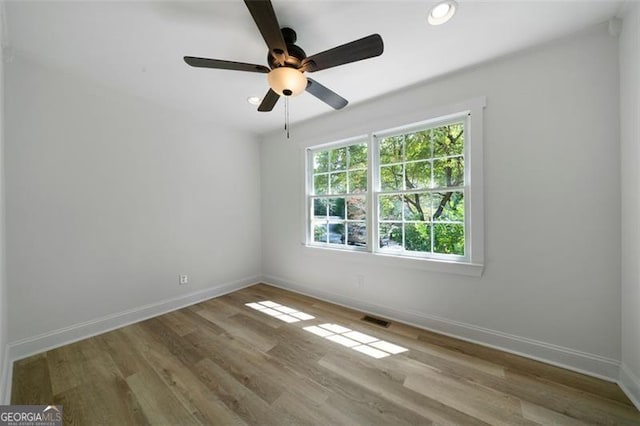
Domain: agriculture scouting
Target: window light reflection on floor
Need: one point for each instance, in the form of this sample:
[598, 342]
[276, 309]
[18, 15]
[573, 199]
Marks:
[281, 312]
[355, 340]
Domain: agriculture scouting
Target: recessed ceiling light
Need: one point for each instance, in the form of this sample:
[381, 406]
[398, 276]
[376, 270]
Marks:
[253, 100]
[442, 12]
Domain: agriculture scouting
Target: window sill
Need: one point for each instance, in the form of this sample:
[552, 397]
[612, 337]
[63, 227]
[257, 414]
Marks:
[382, 259]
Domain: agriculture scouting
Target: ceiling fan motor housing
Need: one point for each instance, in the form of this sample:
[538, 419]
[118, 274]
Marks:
[296, 54]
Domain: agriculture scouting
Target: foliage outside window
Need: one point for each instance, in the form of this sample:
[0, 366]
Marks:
[339, 188]
[421, 197]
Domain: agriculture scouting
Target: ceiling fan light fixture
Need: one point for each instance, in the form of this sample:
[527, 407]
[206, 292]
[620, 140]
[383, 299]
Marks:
[286, 81]
[442, 12]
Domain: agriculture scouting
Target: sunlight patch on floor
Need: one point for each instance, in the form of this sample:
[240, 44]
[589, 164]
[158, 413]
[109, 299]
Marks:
[281, 312]
[355, 340]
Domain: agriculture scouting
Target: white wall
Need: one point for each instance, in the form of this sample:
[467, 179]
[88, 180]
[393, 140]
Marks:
[4, 362]
[551, 285]
[110, 198]
[630, 179]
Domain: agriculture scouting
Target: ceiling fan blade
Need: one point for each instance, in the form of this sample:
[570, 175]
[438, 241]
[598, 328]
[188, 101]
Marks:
[267, 22]
[225, 65]
[269, 101]
[357, 50]
[326, 95]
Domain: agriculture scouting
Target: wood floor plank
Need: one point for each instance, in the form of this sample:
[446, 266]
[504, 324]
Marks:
[219, 362]
[379, 381]
[217, 307]
[211, 326]
[544, 416]
[79, 363]
[246, 366]
[171, 341]
[457, 357]
[180, 322]
[580, 406]
[364, 405]
[304, 351]
[190, 391]
[492, 407]
[107, 402]
[577, 403]
[257, 370]
[180, 379]
[121, 349]
[234, 326]
[158, 403]
[306, 411]
[535, 368]
[237, 397]
[33, 383]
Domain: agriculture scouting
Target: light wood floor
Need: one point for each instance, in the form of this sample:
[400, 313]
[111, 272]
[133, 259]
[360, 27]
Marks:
[222, 363]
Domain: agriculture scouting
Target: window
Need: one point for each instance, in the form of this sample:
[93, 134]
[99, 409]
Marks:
[410, 192]
[421, 198]
[339, 188]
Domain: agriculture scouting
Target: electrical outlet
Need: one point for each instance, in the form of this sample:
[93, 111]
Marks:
[183, 279]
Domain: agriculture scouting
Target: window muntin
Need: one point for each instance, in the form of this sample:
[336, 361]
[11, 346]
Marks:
[421, 195]
[339, 195]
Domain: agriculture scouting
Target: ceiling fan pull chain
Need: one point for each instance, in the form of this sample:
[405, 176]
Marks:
[286, 115]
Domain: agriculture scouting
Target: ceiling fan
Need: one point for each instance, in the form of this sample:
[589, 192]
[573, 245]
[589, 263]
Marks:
[287, 61]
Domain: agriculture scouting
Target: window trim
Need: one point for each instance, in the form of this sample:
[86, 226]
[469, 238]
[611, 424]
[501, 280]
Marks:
[472, 263]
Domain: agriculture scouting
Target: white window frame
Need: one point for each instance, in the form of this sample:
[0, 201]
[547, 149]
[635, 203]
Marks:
[472, 263]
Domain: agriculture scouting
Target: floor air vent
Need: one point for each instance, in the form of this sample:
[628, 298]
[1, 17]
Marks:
[376, 321]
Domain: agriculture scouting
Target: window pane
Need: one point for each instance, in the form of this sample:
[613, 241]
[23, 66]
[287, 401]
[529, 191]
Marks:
[357, 156]
[338, 159]
[336, 208]
[418, 146]
[391, 235]
[391, 178]
[336, 233]
[448, 238]
[448, 172]
[418, 175]
[356, 208]
[321, 162]
[390, 207]
[338, 183]
[448, 207]
[358, 181]
[320, 233]
[391, 150]
[320, 184]
[448, 140]
[357, 234]
[417, 237]
[320, 208]
[417, 207]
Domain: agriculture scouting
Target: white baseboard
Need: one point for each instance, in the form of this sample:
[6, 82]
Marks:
[63, 336]
[630, 384]
[582, 362]
[6, 373]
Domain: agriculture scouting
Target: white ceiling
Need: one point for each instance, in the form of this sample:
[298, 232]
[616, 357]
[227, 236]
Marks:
[138, 46]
